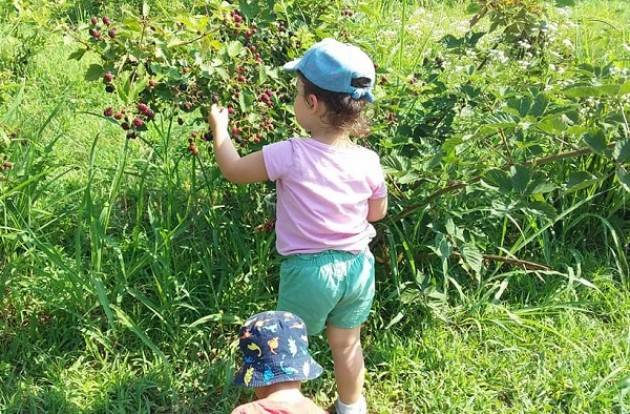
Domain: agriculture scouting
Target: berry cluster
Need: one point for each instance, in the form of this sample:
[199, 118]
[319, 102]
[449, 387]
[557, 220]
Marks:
[132, 125]
[95, 30]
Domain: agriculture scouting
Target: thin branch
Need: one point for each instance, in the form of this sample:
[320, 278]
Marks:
[461, 184]
[514, 261]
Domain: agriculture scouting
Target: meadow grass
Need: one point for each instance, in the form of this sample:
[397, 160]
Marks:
[127, 268]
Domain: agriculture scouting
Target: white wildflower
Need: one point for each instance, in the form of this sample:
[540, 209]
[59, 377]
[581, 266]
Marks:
[568, 43]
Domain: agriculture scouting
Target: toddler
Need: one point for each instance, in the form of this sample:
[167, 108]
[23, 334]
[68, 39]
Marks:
[329, 189]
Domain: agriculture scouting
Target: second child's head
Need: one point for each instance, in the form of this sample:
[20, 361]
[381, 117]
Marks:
[275, 353]
[334, 85]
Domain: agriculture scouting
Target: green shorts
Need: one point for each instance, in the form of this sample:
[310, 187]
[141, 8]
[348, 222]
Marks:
[333, 287]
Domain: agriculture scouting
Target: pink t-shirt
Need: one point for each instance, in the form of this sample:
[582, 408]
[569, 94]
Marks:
[305, 406]
[322, 195]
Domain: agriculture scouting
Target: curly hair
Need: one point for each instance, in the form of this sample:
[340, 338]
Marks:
[342, 111]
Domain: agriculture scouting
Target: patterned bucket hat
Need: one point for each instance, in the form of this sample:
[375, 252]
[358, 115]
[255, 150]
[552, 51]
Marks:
[275, 349]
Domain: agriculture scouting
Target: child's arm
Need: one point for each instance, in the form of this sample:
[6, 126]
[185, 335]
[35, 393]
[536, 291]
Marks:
[245, 170]
[377, 209]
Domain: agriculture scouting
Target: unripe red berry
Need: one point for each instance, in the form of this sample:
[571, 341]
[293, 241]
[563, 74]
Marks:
[230, 110]
[142, 107]
[150, 114]
[95, 34]
[236, 131]
[112, 33]
[241, 78]
[106, 20]
[138, 122]
[118, 115]
[108, 77]
[108, 111]
[94, 20]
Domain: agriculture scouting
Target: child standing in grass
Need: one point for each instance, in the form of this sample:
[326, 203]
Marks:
[328, 191]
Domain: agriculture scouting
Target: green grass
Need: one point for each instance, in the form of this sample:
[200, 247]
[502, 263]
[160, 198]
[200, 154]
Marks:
[126, 268]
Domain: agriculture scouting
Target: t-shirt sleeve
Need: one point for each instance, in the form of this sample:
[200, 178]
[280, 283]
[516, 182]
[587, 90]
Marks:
[377, 180]
[278, 159]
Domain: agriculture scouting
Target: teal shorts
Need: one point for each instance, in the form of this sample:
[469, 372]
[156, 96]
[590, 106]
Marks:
[332, 287]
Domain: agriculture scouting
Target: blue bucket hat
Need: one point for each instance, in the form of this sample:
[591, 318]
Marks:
[275, 349]
[333, 65]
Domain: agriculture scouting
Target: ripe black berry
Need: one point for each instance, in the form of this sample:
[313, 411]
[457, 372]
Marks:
[108, 111]
[125, 126]
[112, 33]
[110, 88]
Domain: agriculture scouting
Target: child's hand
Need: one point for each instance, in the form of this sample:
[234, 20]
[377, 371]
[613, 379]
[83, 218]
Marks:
[218, 118]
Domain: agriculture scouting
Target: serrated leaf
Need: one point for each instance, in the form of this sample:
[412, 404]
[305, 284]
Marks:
[543, 207]
[498, 178]
[77, 54]
[621, 152]
[472, 256]
[94, 72]
[520, 177]
[234, 48]
[580, 179]
[596, 139]
[624, 178]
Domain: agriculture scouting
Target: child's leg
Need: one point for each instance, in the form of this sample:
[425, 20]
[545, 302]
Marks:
[345, 345]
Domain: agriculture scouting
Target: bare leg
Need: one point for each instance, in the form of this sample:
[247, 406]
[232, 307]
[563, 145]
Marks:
[345, 345]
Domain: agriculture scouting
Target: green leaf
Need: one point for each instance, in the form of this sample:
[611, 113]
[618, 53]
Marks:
[625, 89]
[580, 179]
[498, 178]
[520, 106]
[539, 106]
[234, 48]
[621, 153]
[596, 139]
[472, 256]
[565, 3]
[473, 8]
[94, 72]
[77, 54]
[520, 177]
[624, 178]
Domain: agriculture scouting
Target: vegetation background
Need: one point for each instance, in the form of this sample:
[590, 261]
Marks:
[126, 265]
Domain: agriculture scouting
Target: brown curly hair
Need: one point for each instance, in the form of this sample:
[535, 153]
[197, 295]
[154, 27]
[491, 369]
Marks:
[343, 112]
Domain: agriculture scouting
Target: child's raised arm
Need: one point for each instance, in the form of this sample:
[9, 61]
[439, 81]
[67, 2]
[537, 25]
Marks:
[245, 170]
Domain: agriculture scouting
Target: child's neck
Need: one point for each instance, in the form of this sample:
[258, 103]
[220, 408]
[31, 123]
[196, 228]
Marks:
[282, 392]
[333, 137]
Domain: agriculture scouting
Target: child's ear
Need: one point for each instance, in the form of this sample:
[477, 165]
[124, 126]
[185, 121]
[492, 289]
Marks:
[312, 102]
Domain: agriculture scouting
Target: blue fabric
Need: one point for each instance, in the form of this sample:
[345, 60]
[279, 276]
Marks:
[333, 65]
[274, 346]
